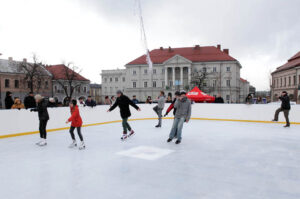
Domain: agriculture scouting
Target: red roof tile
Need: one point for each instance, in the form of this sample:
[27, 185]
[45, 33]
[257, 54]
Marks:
[292, 62]
[194, 54]
[243, 80]
[58, 72]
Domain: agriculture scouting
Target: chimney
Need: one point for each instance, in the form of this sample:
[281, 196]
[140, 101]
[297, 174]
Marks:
[10, 59]
[170, 49]
[226, 51]
[219, 46]
[161, 48]
[197, 47]
[25, 60]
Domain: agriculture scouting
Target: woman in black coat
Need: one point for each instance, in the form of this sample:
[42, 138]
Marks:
[8, 100]
[123, 102]
[41, 108]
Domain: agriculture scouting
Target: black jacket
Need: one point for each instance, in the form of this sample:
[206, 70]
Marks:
[219, 100]
[29, 102]
[8, 100]
[91, 103]
[285, 102]
[123, 102]
[42, 110]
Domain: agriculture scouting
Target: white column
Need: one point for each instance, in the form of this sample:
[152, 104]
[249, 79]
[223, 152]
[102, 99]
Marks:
[166, 77]
[173, 73]
[181, 76]
[189, 75]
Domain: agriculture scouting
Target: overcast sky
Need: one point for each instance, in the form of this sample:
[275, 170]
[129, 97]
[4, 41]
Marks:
[105, 34]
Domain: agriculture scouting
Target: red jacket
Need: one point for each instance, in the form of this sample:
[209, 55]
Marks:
[75, 117]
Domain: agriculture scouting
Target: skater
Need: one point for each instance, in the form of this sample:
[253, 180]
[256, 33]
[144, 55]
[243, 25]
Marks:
[183, 114]
[76, 122]
[43, 117]
[285, 108]
[159, 107]
[123, 102]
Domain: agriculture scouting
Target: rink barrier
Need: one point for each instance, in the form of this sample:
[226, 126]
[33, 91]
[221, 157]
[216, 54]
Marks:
[139, 119]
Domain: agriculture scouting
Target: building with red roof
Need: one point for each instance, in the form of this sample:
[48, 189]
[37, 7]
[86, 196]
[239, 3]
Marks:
[66, 82]
[287, 78]
[177, 69]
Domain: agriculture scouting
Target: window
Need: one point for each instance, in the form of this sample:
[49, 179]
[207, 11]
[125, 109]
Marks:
[228, 69]
[170, 83]
[163, 84]
[39, 84]
[204, 83]
[154, 84]
[204, 69]
[163, 71]
[285, 81]
[145, 84]
[16, 83]
[84, 89]
[116, 79]
[110, 79]
[214, 69]
[154, 71]
[123, 79]
[280, 82]
[55, 89]
[46, 85]
[145, 71]
[228, 82]
[134, 84]
[134, 72]
[214, 83]
[105, 89]
[110, 89]
[227, 97]
[290, 81]
[7, 83]
[105, 79]
[78, 89]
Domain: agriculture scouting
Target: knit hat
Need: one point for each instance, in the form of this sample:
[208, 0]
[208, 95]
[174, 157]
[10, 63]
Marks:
[119, 92]
[177, 93]
[38, 97]
[182, 92]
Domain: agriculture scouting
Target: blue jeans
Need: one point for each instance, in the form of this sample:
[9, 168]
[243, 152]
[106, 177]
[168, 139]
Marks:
[177, 126]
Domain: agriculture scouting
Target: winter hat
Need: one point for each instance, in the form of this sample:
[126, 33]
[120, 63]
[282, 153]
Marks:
[38, 97]
[182, 92]
[119, 92]
[177, 93]
[74, 102]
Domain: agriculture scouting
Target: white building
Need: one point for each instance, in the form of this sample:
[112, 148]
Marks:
[174, 69]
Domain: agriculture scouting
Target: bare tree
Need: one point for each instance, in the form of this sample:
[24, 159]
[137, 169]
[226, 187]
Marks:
[33, 73]
[69, 83]
[198, 78]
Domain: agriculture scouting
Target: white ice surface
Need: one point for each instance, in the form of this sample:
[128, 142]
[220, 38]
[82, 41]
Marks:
[216, 160]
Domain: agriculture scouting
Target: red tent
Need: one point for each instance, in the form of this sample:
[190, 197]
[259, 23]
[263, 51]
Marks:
[197, 95]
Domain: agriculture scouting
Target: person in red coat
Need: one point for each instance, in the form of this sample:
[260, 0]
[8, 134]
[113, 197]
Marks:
[76, 122]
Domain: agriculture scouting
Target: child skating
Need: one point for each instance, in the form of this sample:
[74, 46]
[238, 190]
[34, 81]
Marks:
[76, 122]
[123, 102]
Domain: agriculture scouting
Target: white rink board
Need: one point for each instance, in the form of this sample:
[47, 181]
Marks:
[19, 121]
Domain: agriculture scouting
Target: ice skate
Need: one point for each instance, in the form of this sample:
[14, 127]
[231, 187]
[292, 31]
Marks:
[158, 126]
[286, 126]
[38, 143]
[82, 146]
[178, 142]
[43, 143]
[169, 140]
[131, 133]
[124, 137]
[274, 120]
[74, 144]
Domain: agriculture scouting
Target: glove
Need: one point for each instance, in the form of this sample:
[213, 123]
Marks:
[165, 115]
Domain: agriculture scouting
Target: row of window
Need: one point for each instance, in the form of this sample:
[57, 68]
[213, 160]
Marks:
[116, 79]
[204, 69]
[285, 81]
[7, 84]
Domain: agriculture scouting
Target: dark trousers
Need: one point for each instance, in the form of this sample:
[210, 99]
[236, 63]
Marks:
[43, 125]
[286, 115]
[72, 128]
[125, 125]
[158, 111]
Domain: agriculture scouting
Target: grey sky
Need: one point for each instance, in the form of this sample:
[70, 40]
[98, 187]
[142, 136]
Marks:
[104, 34]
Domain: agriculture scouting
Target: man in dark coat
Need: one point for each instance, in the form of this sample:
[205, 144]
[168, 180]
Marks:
[285, 108]
[123, 102]
[41, 108]
[90, 102]
[29, 101]
[219, 99]
[8, 100]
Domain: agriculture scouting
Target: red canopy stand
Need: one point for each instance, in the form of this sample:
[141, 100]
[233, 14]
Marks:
[197, 95]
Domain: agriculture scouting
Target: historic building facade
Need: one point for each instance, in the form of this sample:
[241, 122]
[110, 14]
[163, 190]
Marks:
[287, 78]
[13, 79]
[177, 69]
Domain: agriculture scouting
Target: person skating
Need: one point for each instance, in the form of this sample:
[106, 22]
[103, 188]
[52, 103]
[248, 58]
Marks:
[183, 114]
[76, 122]
[285, 108]
[8, 100]
[29, 101]
[159, 108]
[123, 102]
[41, 108]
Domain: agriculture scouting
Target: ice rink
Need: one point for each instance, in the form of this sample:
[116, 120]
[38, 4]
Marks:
[215, 160]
